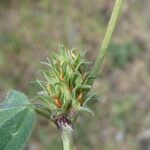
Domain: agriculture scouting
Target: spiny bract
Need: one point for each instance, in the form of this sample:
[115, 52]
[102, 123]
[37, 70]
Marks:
[65, 89]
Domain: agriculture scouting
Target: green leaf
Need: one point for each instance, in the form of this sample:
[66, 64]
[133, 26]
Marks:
[17, 119]
[91, 99]
[80, 108]
[88, 110]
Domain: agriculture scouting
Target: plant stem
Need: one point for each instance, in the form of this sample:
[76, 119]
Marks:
[66, 128]
[67, 139]
[107, 37]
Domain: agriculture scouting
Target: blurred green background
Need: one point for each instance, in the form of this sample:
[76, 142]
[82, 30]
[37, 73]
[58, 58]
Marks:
[31, 29]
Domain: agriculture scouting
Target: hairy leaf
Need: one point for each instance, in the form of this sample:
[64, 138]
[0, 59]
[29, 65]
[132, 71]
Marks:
[17, 119]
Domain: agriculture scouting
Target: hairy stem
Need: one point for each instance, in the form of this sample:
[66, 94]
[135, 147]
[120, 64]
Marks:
[67, 140]
[107, 37]
[66, 129]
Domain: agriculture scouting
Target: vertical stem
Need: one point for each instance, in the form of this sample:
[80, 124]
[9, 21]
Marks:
[65, 127]
[67, 140]
[107, 37]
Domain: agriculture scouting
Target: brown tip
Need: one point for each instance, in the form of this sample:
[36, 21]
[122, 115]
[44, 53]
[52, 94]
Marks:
[80, 96]
[58, 102]
[61, 76]
[48, 87]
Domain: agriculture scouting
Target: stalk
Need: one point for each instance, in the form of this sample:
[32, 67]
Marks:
[66, 128]
[110, 29]
[67, 140]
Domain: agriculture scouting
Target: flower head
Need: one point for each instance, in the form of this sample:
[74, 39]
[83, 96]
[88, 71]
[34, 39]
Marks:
[65, 88]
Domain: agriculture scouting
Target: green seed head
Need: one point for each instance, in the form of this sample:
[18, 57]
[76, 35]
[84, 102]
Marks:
[65, 88]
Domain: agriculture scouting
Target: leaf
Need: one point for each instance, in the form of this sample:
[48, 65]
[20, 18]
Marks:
[80, 108]
[91, 99]
[88, 110]
[17, 119]
[41, 84]
[46, 100]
